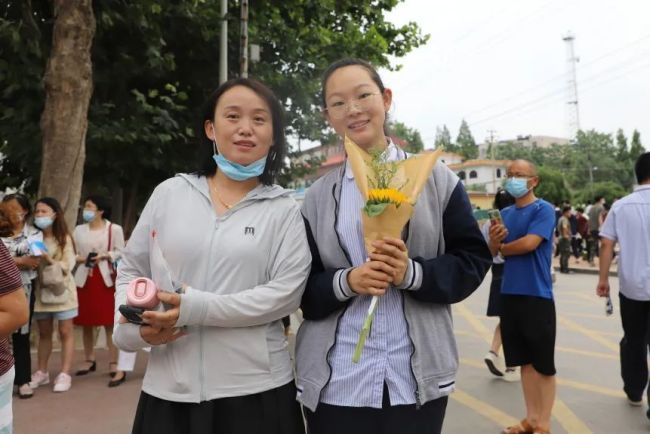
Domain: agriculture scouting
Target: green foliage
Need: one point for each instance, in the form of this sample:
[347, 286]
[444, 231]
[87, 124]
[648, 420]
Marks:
[481, 188]
[410, 135]
[610, 190]
[156, 61]
[552, 186]
[465, 142]
[443, 139]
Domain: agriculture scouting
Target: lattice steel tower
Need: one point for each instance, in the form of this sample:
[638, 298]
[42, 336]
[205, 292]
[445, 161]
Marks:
[573, 113]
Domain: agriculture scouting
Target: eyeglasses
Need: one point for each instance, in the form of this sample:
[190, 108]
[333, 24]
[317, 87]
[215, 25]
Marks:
[339, 109]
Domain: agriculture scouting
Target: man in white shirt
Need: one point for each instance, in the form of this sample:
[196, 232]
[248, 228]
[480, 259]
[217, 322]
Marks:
[628, 223]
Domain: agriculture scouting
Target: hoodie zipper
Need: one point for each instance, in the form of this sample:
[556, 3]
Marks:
[418, 401]
[336, 222]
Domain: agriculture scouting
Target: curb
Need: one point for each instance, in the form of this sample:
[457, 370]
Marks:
[593, 272]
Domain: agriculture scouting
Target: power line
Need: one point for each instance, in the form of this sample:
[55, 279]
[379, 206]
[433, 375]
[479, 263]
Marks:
[555, 78]
[555, 93]
[535, 106]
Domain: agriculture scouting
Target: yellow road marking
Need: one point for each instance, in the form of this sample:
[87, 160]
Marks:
[589, 333]
[486, 410]
[569, 421]
[474, 322]
[591, 388]
[592, 298]
[587, 353]
[474, 363]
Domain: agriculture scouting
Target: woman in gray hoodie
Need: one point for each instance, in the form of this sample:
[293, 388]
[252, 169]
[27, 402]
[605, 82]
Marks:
[228, 251]
[409, 362]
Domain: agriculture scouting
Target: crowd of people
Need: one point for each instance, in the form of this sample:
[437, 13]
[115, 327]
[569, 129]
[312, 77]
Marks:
[232, 255]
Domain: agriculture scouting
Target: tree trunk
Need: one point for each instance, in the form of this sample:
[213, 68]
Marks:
[68, 88]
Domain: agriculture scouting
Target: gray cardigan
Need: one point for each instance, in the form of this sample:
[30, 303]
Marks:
[445, 241]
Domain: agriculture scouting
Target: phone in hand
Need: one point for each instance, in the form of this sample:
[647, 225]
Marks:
[132, 314]
[90, 259]
[495, 217]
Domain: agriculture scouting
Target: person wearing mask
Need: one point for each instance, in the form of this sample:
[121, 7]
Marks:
[583, 229]
[229, 252]
[99, 244]
[50, 306]
[14, 313]
[528, 321]
[494, 362]
[595, 220]
[628, 224]
[409, 362]
[19, 211]
[564, 243]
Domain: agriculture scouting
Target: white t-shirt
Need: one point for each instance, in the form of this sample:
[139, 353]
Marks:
[628, 222]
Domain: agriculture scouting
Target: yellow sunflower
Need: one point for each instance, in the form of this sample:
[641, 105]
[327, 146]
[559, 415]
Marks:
[386, 195]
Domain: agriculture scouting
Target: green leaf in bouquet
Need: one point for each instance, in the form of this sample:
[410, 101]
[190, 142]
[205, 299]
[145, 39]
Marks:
[375, 209]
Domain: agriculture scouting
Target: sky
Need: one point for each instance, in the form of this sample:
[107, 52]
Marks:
[502, 65]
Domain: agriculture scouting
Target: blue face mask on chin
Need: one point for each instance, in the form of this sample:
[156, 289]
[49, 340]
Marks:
[236, 171]
[517, 187]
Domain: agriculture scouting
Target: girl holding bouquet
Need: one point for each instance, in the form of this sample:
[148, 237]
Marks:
[409, 361]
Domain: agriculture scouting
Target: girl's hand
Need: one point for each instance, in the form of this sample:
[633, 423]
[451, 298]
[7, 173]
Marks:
[393, 252]
[371, 278]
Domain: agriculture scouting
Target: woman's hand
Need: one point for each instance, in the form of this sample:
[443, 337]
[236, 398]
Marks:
[164, 319]
[371, 278]
[47, 258]
[27, 262]
[393, 252]
[160, 336]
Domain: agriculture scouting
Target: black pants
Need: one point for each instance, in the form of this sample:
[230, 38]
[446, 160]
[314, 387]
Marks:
[399, 419]
[576, 247]
[22, 356]
[635, 316]
[592, 245]
[275, 411]
[564, 245]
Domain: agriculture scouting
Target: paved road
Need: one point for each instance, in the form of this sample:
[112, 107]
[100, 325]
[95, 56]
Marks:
[590, 399]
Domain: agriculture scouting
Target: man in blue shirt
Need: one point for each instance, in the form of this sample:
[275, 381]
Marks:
[525, 240]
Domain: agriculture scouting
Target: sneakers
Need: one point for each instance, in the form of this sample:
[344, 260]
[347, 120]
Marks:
[62, 383]
[494, 363]
[25, 392]
[511, 375]
[39, 378]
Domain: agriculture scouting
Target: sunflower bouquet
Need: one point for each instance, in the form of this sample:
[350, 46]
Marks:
[390, 190]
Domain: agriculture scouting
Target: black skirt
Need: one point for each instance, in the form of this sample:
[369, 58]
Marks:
[272, 412]
[494, 302]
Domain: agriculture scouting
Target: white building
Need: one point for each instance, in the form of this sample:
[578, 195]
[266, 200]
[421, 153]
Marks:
[481, 175]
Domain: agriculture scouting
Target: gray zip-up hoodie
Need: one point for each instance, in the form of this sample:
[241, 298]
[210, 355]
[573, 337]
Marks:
[245, 269]
[449, 259]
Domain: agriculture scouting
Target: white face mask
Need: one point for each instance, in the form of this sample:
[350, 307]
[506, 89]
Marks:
[43, 222]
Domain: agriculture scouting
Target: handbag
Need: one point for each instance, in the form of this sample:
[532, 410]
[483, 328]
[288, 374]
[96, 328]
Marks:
[53, 284]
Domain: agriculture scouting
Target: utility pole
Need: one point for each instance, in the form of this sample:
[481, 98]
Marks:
[223, 45]
[573, 114]
[491, 141]
[243, 47]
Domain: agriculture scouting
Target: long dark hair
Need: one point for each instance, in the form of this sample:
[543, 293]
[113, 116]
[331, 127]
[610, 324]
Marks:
[275, 158]
[102, 203]
[6, 228]
[59, 227]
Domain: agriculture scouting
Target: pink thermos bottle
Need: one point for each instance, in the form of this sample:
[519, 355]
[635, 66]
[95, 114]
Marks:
[142, 293]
